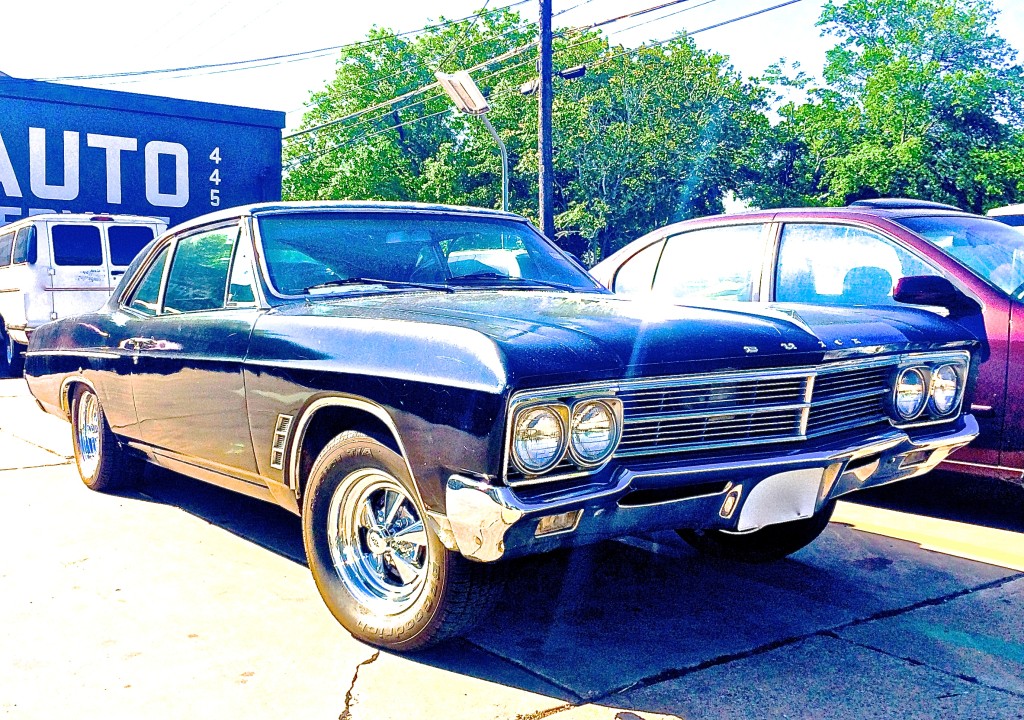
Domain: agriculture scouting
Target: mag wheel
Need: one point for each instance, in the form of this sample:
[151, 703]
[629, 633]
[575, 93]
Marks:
[379, 567]
[102, 463]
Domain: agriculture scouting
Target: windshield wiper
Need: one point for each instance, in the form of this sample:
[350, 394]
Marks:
[341, 282]
[485, 277]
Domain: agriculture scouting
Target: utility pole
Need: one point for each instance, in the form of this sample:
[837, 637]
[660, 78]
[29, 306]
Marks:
[545, 159]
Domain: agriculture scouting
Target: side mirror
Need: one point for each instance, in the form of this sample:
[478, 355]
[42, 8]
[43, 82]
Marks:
[934, 291]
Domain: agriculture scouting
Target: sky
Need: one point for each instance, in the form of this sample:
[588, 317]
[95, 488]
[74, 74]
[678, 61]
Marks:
[68, 38]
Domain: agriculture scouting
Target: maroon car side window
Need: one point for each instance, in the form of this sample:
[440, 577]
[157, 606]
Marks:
[831, 264]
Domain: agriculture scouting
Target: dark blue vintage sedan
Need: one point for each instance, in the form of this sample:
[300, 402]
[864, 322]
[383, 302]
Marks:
[434, 389]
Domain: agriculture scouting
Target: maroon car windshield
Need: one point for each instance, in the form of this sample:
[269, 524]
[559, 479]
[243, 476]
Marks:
[994, 251]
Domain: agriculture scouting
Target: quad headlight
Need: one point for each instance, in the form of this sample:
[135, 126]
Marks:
[911, 393]
[539, 438]
[946, 387]
[586, 430]
[595, 432]
[928, 390]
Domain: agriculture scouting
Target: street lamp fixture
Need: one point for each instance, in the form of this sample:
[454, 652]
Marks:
[469, 100]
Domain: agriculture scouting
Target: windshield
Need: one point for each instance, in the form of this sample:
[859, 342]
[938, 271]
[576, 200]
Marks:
[992, 250]
[336, 250]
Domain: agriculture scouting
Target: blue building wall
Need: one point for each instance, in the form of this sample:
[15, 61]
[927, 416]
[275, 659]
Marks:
[66, 148]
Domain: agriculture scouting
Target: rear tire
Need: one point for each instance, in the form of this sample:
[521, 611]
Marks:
[15, 357]
[6, 355]
[760, 546]
[381, 570]
[103, 464]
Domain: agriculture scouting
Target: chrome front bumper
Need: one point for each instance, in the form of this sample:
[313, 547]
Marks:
[488, 522]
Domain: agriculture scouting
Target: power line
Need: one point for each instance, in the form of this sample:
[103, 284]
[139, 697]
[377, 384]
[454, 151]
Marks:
[479, 66]
[603, 61]
[285, 56]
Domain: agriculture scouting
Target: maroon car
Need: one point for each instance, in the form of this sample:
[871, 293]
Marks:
[874, 252]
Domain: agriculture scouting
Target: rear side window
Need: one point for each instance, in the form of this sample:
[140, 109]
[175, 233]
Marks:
[636, 275]
[127, 241]
[77, 245]
[199, 272]
[25, 245]
[6, 243]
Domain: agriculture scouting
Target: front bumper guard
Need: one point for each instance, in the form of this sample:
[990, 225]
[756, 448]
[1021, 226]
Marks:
[487, 522]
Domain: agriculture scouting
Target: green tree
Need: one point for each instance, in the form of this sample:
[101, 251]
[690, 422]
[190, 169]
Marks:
[922, 99]
[647, 136]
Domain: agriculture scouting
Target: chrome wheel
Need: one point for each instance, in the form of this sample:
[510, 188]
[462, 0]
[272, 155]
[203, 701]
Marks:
[9, 349]
[377, 541]
[87, 434]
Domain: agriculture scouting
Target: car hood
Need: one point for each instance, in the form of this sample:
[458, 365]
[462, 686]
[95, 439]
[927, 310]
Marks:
[497, 338]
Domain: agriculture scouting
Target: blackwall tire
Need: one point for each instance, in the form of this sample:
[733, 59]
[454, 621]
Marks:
[760, 546]
[15, 358]
[380, 569]
[102, 463]
[6, 355]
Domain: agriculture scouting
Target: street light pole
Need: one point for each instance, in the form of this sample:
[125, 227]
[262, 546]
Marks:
[504, 162]
[544, 149]
[468, 99]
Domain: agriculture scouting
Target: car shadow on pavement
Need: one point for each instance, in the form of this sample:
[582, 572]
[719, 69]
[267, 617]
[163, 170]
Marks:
[590, 624]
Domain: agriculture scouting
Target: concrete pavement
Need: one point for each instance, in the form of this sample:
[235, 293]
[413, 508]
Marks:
[183, 600]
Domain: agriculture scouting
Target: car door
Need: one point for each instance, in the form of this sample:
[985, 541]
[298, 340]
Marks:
[715, 264]
[187, 380]
[835, 263]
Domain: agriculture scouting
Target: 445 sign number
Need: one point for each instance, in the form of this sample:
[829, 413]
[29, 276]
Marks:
[215, 178]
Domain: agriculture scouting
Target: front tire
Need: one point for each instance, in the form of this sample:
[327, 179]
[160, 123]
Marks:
[380, 569]
[102, 463]
[768, 544]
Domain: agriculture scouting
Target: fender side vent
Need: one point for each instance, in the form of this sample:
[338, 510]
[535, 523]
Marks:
[284, 424]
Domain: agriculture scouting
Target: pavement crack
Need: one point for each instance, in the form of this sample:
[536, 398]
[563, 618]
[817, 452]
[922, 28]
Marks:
[677, 673]
[942, 671]
[541, 714]
[574, 698]
[346, 714]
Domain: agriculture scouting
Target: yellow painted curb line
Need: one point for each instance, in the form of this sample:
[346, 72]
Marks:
[972, 542]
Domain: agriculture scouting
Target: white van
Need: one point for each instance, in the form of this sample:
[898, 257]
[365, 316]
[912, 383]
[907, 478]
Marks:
[56, 265]
[1012, 215]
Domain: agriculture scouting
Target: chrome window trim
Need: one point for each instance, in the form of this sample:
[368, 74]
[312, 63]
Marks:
[257, 236]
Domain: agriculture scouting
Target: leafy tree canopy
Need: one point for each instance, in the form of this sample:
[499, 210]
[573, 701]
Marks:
[647, 136]
[922, 99]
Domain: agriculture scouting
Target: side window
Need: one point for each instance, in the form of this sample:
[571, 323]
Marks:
[841, 265]
[722, 263]
[25, 245]
[636, 275]
[127, 241]
[6, 243]
[77, 245]
[241, 282]
[199, 271]
[146, 298]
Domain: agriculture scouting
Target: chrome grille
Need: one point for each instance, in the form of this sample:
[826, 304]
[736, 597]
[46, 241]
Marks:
[714, 412]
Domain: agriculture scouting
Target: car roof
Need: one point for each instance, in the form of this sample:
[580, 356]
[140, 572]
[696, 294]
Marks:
[268, 208]
[85, 217]
[1006, 210]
